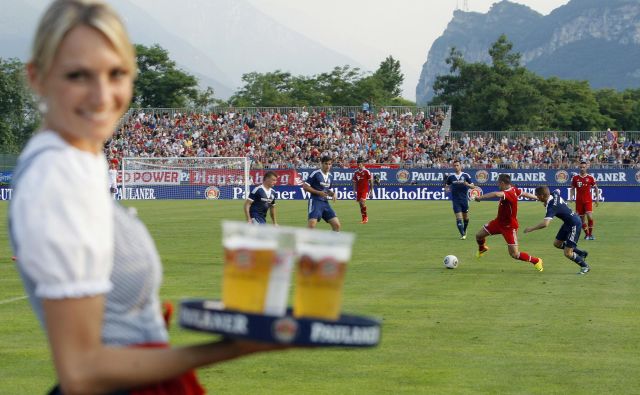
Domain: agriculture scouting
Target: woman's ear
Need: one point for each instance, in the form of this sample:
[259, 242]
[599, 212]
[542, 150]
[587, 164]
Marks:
[34, 79]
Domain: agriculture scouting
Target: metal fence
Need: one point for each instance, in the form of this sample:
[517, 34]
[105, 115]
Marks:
[572, 136]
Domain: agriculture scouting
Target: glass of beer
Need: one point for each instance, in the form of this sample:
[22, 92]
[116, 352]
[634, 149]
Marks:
[322, 258]
[256, 271]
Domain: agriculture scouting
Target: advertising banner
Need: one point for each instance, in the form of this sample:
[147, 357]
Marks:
[618, 185]
[554, 177]
[151, 177]
[287, 192]
[224, 177]
[388, 176]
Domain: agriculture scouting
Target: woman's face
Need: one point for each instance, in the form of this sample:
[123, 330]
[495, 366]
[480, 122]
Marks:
[87, 89]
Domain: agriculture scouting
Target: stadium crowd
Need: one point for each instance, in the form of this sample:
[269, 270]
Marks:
[297, 139]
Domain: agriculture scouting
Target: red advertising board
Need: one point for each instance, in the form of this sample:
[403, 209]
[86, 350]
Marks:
[236, 177]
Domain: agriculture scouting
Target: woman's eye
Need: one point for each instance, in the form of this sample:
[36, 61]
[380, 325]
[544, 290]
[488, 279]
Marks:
[77, 75]
[118, 73]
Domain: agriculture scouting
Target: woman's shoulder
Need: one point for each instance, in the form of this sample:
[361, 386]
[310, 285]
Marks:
[51, 166]
[51, 159]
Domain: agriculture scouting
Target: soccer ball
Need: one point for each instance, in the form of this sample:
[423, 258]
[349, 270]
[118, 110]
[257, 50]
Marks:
[450, 261]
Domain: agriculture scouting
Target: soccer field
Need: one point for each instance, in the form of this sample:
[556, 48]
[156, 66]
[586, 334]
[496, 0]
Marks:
[493, 325]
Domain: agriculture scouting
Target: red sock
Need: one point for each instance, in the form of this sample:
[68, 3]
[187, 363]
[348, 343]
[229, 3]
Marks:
[590, 228]
[363, 211]
[523, 256]
[481, 243]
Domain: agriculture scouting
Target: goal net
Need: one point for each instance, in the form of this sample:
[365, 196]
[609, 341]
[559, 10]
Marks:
[184, 178]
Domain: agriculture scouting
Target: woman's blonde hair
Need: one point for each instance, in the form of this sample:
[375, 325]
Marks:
[64, 15]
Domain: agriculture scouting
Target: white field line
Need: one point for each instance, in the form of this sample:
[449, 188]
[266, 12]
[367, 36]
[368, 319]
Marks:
[12, 300]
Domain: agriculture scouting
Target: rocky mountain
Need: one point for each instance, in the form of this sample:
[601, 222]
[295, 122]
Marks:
[593, 40]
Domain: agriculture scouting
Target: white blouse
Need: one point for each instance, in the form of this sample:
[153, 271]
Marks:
[62, 219]
[72, 240]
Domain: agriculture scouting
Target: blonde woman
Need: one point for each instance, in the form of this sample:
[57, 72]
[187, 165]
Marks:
[91, 269]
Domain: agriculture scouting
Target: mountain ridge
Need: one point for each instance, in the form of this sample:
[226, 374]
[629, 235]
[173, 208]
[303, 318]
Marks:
[571, 42]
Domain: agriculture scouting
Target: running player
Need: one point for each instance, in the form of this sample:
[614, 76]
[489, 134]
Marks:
[459, 184]
[569, 233]
[362, 184]
[318, 184]
[262, 199]
[506, 223]
[581, 185]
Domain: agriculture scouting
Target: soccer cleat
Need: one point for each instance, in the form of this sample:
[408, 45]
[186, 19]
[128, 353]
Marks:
[538, 266]
[365, 220]
[463, 237]
[479, 253]
[585, 269]
[592, 237]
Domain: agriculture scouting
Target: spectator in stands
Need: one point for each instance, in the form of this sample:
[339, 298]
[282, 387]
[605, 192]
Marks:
[299, 136]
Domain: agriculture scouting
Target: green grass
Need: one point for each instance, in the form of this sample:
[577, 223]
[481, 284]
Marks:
[494, 326]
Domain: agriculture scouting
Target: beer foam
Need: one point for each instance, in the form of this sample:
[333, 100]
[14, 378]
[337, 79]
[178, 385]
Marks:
[316, 252]
[249, 243]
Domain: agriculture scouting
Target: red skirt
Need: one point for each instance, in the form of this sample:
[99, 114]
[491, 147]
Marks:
[186, 384]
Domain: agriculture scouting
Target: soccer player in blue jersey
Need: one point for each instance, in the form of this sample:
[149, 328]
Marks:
[459, 184]
[262, 199]
[569, 233]
[318, 184]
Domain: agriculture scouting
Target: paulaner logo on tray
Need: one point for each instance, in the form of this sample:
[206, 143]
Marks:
[285, 329]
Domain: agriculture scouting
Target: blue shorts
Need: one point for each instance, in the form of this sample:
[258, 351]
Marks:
[460, 206]
[258, 220]
[570, 234]
[319, 209]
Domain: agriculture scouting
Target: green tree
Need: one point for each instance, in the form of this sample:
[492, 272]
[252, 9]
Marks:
[160, 83]
[506, 96]
[19, 116]
[390, 76]
[342, 86]
[622, 107]
[264, 90]
[338, 86]
[205, 100]
[571, 105]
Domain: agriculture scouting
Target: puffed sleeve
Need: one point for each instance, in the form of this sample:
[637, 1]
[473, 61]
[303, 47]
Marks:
[62, 222]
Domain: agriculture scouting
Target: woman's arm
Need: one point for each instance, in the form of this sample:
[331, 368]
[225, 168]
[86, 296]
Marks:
[85, 365]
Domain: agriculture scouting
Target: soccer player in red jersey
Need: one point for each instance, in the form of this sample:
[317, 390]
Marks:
[581, 185]
[506, 223]
[362, 184]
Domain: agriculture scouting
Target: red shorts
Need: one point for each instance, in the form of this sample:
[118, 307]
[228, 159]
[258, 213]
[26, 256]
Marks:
[362, 194]
[510, 234]
[584, 207]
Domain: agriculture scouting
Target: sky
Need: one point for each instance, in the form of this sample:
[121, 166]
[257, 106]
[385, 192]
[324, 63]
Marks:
[370, 30]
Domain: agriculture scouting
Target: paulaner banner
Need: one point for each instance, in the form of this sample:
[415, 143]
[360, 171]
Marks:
[287, 192]
[553, 177]
[388, 177]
